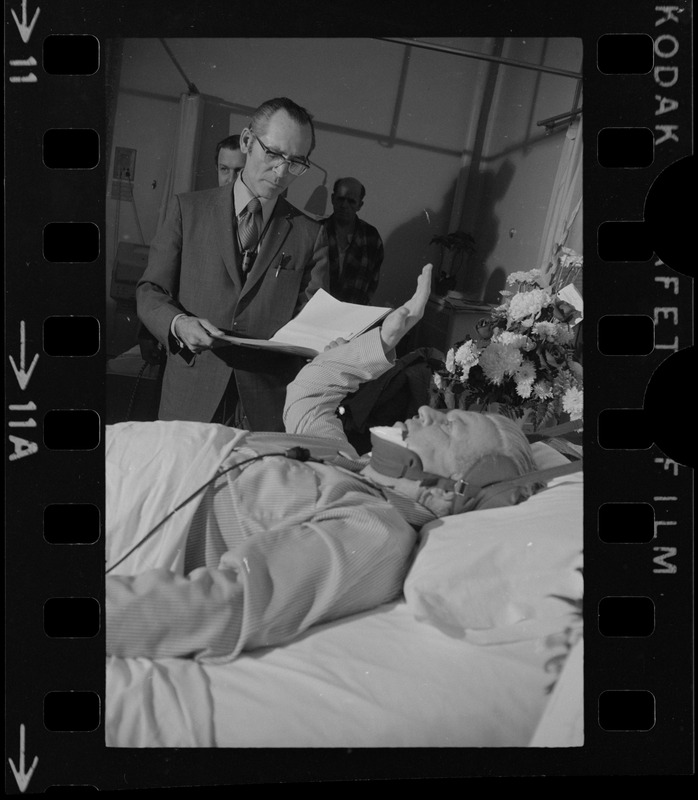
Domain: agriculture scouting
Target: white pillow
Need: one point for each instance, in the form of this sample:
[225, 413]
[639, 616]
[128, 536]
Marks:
[489, 575]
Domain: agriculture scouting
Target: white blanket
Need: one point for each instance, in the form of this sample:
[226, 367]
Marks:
[373, 680]
[155, 484]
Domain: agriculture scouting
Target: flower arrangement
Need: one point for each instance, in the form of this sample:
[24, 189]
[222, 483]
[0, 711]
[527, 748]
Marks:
[522, 361]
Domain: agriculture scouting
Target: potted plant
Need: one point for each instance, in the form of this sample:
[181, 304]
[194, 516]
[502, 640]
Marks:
[460, 244]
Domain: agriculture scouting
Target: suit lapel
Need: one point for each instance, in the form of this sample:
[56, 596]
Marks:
[277, 231]
[224, 234]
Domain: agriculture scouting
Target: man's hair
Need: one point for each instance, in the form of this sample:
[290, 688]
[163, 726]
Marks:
[510, 441]
[260, 118]
[513, 444]
[229, 143]
[340, 181]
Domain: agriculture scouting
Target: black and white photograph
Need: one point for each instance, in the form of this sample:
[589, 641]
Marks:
[343, 356]
[431, 526]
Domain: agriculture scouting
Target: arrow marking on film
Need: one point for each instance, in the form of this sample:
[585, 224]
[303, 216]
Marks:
[25, 31]
[21, 776]
[23, 375]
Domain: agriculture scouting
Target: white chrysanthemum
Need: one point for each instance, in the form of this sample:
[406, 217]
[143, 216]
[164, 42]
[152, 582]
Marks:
[532, 276]
[499, 360]
[565, 334]
[518, 340]
[547, 331]
[527, 305]
[573, 402]
[451, 360]
[467, 356]
[438, 381]
[542, 390]
[524, 378]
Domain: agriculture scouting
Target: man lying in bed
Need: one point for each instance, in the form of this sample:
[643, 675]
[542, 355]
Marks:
[303, 530]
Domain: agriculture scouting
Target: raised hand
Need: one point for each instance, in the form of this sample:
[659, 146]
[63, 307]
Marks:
[404, 318]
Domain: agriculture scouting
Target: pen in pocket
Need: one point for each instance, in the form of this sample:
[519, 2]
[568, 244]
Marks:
[280, 264]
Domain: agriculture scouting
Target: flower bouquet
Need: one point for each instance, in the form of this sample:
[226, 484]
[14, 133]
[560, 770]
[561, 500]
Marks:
[521, 363]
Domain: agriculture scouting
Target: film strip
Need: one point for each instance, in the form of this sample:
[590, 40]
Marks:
[638, 423]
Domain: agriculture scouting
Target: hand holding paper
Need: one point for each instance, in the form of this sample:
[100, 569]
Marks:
[197, 334]
[323, 321]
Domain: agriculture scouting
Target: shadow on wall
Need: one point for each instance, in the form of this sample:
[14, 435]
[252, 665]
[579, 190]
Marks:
[317, 202]
[480, 280]
[403, 261]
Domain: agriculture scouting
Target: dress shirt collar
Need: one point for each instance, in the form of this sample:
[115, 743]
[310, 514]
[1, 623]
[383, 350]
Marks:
[242, 196]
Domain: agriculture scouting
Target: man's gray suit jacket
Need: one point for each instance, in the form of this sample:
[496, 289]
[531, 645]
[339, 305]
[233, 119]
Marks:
[194, 268]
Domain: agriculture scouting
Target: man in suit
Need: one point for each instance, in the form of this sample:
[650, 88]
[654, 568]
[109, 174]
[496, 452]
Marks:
[203, 280]
[355, 247]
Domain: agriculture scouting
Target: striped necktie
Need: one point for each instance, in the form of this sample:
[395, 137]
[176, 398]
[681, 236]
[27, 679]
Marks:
[249, 225]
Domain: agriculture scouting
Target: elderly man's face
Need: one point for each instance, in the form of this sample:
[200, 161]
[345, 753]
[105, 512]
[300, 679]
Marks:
[439, 438]
[346, 202]
[230, 162]
[282, 135]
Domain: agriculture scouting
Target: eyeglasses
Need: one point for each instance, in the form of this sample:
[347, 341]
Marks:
[272, 157]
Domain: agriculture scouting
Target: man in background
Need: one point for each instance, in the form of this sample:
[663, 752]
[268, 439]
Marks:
[229, 160]
[240, 260]
[355, 247]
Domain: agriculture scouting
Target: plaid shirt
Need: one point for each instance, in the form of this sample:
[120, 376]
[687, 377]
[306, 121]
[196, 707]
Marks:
[362, 263]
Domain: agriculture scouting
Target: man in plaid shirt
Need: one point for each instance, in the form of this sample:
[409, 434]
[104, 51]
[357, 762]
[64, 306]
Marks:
[355, 247]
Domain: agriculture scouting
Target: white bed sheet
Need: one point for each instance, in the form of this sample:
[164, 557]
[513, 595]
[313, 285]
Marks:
[406, 684]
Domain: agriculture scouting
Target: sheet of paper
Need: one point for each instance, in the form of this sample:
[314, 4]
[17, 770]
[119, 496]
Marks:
[266, 344]
[322, 320]
[327, 318]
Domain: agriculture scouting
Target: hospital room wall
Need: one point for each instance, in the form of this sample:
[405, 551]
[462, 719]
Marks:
[396, 123]
[401, 119]
[511, 181]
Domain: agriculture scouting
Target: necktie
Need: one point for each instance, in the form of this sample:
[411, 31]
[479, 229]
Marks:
[248, 225]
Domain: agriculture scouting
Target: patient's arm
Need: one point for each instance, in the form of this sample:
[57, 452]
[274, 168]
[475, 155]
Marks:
[350, 557]
[319, 388]
[313, 396]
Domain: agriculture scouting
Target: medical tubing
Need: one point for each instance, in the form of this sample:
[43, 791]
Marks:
[295, 453]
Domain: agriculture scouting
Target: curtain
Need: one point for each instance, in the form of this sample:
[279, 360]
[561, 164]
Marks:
[563, 225]
[185, 151]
